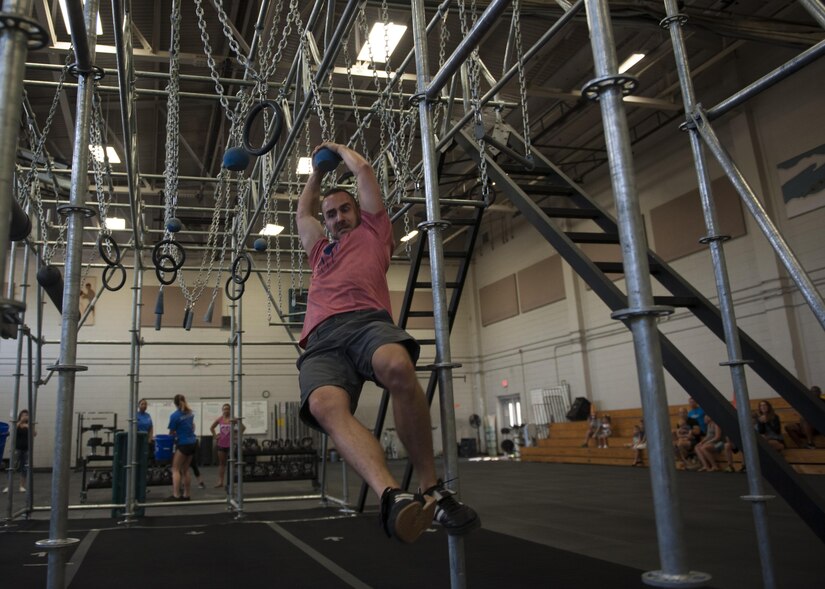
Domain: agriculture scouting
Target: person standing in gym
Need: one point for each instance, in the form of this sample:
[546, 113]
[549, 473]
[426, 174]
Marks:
[144, 424]
[349, 337]
[182, 428]
[21, 448]
[223, 424]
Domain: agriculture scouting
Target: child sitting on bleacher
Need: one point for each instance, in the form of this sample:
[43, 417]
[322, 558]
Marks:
[592, 428]
[638, 443]
[684, 441]
[604, 432]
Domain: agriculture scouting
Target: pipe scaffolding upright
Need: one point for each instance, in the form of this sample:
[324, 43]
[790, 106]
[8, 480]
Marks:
[22, 332]
[15, 38]
[67, 366]
[434, 225]
[735, 361]
[608, 88]
[236, 388]
[122, 20]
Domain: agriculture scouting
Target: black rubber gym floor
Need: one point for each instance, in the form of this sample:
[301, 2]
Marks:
[293, 549]
[549, 525]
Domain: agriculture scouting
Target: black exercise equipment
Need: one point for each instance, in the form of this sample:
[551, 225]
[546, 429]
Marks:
[159, 272]
[241, 268]
[240, 287]
[158, 258]
[51, 280]
[276, 130]
[325, 160]
[579, 410]
[108, 274]
[106, 243]
[20, 225]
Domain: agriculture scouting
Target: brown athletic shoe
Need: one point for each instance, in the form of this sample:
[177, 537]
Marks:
[405, 516]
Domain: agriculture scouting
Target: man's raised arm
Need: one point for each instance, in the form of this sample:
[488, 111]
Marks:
[306, 215]
[369, 193]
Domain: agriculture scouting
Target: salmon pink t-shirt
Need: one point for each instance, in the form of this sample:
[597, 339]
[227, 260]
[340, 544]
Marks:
[350, 274]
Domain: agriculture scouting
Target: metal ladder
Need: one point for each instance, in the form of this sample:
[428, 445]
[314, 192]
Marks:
[522, 188]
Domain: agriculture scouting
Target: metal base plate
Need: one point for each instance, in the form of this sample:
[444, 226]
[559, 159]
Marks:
[59, 543]
[661, 579]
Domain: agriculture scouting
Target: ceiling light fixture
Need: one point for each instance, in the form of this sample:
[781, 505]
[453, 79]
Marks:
[65, 11]
[630, 62]
[115, 223]
[304, 166]
[97, 153]
[409, 235]
[380, 45]
[271, 229]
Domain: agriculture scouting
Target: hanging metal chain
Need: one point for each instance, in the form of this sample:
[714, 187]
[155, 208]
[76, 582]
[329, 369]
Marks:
[213, 68]
[313, 88]
[443, 37]
[233, 43]
[351, 85]
[170, 190]
[475, 101]
[295, 242]
[331, 99]
[292, 16]
[522, 85]
[100, 168]
[379, 106]
[221, 198]
[208, 260]
[31, 187]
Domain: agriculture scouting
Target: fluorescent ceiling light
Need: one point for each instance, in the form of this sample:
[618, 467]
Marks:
[410, 235]
[381, 47]
[271, 229]
[304, 166]
[363, 69]
[115, 223]
[65, 12]
[630, 62]
[97, 153]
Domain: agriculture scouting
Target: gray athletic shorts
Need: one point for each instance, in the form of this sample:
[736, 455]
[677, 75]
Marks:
[339, 353]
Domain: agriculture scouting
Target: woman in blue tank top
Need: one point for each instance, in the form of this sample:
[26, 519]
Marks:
[182, 428]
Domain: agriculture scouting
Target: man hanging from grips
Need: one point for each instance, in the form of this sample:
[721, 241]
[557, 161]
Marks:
[349, 337]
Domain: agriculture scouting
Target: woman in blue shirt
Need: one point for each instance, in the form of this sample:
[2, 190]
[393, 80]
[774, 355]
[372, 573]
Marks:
[144, 420]
[144, 424]
[182, 428]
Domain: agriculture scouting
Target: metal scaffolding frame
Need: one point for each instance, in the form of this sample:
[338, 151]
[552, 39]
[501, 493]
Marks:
[608, 88]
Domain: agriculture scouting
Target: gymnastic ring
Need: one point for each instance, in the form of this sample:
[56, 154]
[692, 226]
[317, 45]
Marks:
[156, 256]
[166, 267]
[276, 132]
[237, 278]
[102, 240]
[160, 270]
[108, 271]
[241, 287]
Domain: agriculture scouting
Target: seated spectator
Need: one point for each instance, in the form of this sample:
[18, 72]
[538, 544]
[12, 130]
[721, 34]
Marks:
[769, 426]
[697, 414]
[605, 431]
[731, 449]
[803, 433]
[711, 444]
[639, 443]
[592, 428]
[684, 441]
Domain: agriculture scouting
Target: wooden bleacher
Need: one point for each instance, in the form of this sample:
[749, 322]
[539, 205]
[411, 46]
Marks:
[565, 439]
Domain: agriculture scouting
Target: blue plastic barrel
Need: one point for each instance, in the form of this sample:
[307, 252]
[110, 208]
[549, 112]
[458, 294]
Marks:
[163, 447]
[4, 433]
